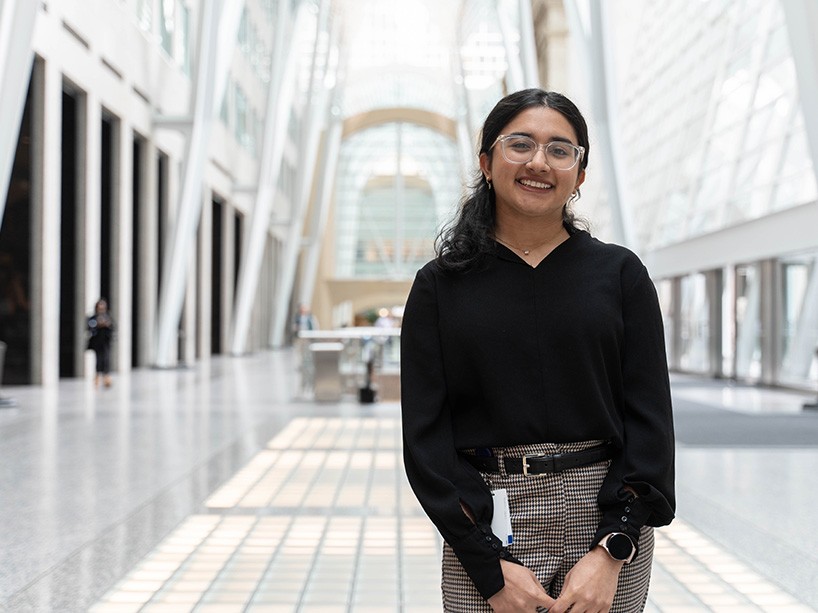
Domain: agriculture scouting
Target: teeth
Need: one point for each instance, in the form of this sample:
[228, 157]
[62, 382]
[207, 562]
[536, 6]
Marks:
[536, 184]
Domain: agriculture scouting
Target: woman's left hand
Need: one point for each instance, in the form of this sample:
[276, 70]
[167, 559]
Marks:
[590, 585]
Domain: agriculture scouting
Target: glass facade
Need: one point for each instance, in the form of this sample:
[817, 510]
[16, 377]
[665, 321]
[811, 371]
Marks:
[389, 212]
[711, 118]
[714, 136]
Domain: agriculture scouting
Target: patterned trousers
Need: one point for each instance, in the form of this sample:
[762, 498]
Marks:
[554, 518]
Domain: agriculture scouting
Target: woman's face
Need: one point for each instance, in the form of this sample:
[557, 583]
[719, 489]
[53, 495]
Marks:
[534, 189]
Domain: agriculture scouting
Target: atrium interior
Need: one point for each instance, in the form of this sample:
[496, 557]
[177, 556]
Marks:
[214, 167]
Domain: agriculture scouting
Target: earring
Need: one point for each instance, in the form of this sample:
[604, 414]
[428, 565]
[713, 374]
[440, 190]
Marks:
[488, 182]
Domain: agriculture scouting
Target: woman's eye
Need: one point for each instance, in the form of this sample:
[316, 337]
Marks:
[521, 146]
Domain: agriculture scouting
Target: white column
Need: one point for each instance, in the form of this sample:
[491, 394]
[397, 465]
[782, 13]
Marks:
[90, 230]
[122, 216]
[279, 101]
[205, 284]
[46, 195]
[802, 24]
[17, 19]
[187, 349]
[798, 357]
[149, 264]
[178, 249]
[593, 47]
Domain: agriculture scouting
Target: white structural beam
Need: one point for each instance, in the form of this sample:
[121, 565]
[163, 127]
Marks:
[465, 130]
[802, 24]
[330, 154]
[216, 40]
[593, 47]
[528, 45]
[279, 103]
[515, 77]
[328, 165]
[17, 18]
[522, 59]
[789, 230]
[309, 153]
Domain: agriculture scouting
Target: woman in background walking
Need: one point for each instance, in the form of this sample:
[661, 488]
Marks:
[101, 329]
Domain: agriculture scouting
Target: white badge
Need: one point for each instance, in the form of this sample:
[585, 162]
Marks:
[501, 521]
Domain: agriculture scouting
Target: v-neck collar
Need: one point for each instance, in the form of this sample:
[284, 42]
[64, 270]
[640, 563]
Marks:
[505, 253]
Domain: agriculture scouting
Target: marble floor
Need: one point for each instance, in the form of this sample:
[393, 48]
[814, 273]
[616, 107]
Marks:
[216, 488]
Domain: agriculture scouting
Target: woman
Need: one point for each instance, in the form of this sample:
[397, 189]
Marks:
[533, 367]
[101, 330]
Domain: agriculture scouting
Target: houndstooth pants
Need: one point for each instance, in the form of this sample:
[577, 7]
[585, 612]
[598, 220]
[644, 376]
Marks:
[554, 518]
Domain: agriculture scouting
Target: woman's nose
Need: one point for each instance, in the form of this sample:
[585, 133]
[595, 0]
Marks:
[539, 160]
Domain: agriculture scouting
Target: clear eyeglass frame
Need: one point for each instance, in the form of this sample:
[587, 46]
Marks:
[559, 160]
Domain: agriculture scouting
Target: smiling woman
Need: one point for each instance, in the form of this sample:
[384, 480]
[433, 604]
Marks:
[530, 349]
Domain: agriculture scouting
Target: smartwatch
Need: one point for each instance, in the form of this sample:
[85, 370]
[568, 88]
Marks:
[619, 546]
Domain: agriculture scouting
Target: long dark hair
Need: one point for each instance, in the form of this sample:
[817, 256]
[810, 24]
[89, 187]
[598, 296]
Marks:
[471, 234]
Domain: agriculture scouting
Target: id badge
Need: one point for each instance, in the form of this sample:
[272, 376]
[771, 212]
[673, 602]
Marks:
[501, 521]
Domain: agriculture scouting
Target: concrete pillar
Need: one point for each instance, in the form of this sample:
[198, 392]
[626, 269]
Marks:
[46, 193]
[149, 265]
[88, 269]
[122, 216]
[205, 281]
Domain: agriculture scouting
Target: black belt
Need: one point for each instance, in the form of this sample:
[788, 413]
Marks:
[541, 464]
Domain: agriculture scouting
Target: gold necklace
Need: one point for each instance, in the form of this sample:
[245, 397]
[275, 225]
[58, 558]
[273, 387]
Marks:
[529, 250]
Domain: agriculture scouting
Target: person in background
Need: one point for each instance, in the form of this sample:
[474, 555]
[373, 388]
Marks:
[304, 320]
[536, 408]
[101, 335]
[384, 319]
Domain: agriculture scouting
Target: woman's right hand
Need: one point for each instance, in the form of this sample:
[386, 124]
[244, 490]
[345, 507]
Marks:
[522, 591]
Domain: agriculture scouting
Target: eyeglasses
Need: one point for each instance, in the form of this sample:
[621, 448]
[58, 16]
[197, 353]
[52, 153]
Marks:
[522, 149]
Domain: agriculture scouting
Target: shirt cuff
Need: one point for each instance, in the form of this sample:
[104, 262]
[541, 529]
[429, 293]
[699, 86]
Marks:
[627, 516]
[479, 552]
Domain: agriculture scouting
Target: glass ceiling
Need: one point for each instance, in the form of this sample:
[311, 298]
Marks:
[399, 181]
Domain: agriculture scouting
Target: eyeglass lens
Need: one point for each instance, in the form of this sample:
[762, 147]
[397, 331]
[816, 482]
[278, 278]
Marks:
[521, 149]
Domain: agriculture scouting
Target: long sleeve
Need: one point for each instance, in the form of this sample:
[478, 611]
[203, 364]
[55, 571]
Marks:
[441, 480]
[646, 461]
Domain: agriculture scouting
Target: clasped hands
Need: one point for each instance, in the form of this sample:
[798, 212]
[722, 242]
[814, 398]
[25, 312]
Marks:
[589, 587]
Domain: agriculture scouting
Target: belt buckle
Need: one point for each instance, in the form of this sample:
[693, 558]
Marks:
[525, 459]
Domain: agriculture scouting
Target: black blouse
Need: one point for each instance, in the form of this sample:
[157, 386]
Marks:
[506, 354]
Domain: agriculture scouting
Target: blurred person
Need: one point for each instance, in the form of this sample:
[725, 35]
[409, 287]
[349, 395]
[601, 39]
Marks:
[304, 320]
[101, 335]
[384, 319]
[536, 407]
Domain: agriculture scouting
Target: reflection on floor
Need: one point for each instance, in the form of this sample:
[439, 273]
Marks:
[212, 490]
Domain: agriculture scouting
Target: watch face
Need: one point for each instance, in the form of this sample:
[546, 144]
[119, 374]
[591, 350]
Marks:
[620, 546]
